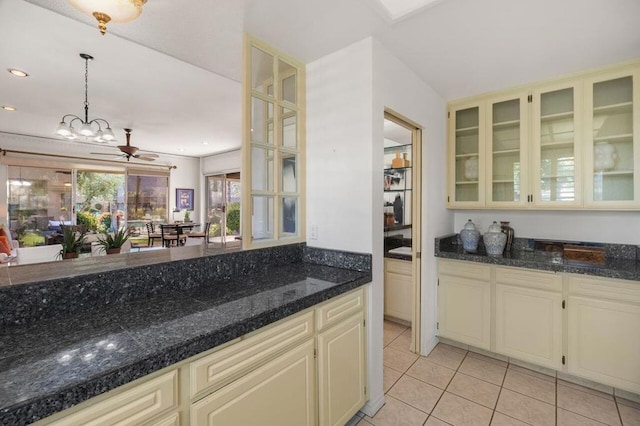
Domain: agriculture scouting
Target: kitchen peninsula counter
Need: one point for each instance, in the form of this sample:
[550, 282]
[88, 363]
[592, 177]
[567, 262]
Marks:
[54, 358]
[620, 262]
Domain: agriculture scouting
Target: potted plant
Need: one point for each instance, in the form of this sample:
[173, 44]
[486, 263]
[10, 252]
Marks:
[112, 243]
[72, 242]
[187, 217]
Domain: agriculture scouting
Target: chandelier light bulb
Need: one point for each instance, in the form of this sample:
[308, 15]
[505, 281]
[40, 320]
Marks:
[63, 129]
[86, 130]
[108, 135]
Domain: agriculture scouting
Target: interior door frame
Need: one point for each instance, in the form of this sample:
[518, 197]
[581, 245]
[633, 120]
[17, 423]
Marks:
[416, 222]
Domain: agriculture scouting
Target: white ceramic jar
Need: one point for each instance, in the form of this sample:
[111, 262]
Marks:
[470, 237]
[494, 240]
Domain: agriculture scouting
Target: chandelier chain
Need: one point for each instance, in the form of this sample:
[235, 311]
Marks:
[86, 90]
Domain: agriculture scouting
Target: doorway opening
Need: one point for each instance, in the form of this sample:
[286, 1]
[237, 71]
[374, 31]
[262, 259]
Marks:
[402, 228]
[223, 209]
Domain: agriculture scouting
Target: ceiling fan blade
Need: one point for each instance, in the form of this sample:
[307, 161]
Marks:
[103, 153]
[144, 157]
[148, 154]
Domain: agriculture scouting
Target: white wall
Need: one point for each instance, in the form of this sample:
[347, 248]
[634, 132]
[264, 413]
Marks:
[340, 176]
[347, 93]
[593, 226]
[402, 91]
[186, 175]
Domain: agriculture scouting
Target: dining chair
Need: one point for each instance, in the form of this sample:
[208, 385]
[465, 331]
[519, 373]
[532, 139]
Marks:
[168, 236]
[152, 235]
[202, 234]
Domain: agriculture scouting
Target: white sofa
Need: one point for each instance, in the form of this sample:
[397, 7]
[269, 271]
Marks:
[38, 254]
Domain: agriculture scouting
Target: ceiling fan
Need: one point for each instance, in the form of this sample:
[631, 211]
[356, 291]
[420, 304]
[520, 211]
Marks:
[128, 151]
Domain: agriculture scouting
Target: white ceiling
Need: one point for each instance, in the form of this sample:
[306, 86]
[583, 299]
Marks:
[173, 74]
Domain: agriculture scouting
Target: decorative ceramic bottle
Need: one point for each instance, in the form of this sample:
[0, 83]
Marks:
[470, 237]
[494, 240]
[509, 232]
[397, 162]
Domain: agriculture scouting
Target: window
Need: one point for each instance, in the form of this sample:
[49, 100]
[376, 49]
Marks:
[39, 201]
[273, 148]
[147, 197]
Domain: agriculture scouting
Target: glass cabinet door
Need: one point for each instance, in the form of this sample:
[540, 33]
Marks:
[507, 155]
[467, 161]
[612, 156]
[556, 163]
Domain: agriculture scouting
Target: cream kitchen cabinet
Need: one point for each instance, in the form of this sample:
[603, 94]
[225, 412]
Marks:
[145, 403]
[604, 331]
[528, 313]
[556, 137]
[398, 289]
[281, 392]
[466, 155]
[464, 302]
[507, 151]
[572, 143]
[612, 150]
[341, 359]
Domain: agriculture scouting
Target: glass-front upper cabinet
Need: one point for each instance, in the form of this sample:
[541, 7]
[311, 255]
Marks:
[466, 156]
[613, 141]
[557, 146]
[507, 151]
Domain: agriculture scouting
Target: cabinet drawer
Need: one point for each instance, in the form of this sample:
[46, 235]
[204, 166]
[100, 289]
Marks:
[465, 269]
[402, 267]
[605, 288]
[528, 278]
[133, 407]
[342, 307]
[222, 367]
[282, 392]
[172, 420]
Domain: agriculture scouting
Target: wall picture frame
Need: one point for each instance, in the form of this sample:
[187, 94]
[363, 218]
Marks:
[184, 199]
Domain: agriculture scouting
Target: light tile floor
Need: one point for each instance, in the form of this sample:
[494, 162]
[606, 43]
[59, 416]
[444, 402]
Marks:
[452, 386]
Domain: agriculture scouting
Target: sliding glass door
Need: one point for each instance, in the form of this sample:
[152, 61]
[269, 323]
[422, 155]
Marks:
[223, 208]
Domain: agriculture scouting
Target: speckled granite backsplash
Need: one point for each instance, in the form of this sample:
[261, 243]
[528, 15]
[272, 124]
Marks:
[29, 302]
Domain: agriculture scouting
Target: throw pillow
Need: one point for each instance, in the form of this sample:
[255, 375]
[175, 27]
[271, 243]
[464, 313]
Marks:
[5, 246]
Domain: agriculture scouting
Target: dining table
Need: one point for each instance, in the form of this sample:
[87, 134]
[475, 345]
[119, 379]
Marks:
[177, 228]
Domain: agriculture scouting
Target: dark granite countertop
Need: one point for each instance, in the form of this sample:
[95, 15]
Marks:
[620, 262]
[53, 363]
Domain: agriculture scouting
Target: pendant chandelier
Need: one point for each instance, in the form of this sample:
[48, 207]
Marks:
[87, 130]
[105, 11]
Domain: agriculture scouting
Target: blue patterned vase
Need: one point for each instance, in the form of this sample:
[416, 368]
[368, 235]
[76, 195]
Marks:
[494, 240]
[470, 237]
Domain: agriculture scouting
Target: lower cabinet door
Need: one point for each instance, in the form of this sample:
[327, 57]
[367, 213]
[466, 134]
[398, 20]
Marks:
[280, 393]
[604, 342]
[341, 371]
[464, 310]
[398, 295]
[529, 325]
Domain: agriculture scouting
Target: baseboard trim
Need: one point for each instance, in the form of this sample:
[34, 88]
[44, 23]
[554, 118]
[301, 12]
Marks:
[372, 407]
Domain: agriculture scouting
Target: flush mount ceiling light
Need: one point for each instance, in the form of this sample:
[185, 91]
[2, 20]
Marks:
[105, 11]
[67, 131]
[17, 72]
[8, 108]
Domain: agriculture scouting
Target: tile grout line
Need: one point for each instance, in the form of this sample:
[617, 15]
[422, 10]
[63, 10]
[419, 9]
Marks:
[615, 400]
[556, 404]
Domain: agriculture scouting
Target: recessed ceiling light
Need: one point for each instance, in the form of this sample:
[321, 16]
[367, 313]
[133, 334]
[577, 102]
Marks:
[181, 149]
[8, 108]
[17, 72]
[205, 143]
